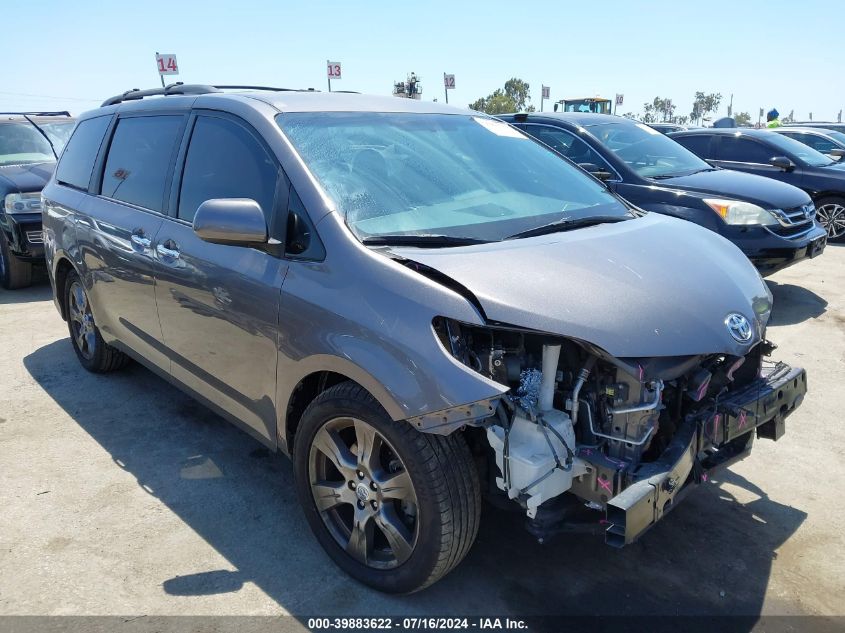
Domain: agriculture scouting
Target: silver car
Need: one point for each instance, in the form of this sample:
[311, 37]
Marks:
[417, 303]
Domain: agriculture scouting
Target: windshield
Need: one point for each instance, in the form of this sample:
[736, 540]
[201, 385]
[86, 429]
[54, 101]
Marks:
[647, 151]
[21, 144]
[837, 136]
[441, 174]
[797, 149]
[58, 131]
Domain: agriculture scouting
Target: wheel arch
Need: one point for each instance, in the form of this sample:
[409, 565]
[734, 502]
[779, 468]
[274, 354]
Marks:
[317, 374]
[62, 266]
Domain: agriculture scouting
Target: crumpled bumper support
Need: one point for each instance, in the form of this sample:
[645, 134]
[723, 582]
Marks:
[706, 442]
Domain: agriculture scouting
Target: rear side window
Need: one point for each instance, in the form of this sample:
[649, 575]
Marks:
[225, 161]
[567, 144]
[77, 161]
[699, 145]
[742, 150]
[139, 160]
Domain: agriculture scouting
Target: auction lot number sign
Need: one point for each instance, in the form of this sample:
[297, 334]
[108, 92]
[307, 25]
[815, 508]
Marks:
[167, 64]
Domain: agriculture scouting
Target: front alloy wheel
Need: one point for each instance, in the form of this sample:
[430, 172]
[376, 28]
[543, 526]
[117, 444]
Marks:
[394, 508]
[363, 493]
[831, 214]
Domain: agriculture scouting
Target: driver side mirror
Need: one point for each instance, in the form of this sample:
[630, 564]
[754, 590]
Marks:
[836, 153]
[596, 171]
[782, 162]
[233, 221]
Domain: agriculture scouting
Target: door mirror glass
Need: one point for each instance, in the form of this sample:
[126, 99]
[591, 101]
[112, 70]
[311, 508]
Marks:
[782, 162]
[235, 221]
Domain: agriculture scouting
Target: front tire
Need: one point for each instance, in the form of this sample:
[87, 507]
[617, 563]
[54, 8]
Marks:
[394, 508]
[14, 273]
[93, 352]
[830, 212]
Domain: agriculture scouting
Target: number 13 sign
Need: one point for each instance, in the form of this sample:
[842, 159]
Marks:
[167, 64]
[333, 70]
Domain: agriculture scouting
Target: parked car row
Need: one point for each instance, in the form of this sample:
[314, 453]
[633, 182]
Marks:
[772, 223]
[423, 306]
[779, 157]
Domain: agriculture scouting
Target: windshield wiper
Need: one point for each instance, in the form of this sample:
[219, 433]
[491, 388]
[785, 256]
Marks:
[566, 224]
[682, 173]
[43, 133]
[424, 240]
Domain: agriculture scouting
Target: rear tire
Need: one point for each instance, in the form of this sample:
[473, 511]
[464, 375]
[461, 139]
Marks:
[93, 352]
[14, 273]
[383, 479]
[831, 213]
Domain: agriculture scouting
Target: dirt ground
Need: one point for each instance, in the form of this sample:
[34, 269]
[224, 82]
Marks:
[121, 495]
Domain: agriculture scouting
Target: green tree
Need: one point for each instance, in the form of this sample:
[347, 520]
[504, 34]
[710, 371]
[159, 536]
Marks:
[631, 115]
[704, 104]
[743, 118]
[515, 97]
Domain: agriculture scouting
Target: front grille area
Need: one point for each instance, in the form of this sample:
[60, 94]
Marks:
[794, 223]
[35, 237]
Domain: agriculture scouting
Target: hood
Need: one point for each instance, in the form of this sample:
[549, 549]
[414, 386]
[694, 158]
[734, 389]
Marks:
[25, 178]
[725, 183]
[653, 286]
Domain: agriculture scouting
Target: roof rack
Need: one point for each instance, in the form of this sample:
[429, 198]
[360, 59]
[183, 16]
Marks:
[172, 89]
[62, 113]
[180, 88]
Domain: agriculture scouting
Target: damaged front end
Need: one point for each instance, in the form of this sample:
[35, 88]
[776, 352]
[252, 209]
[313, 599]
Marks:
[625, 436]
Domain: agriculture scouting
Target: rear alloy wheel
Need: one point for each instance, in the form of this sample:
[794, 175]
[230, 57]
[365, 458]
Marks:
[830, 212]
[14, 273]
[93, 352]
[395, 508]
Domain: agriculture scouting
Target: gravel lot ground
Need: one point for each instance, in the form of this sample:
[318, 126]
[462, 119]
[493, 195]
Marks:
[120, 495]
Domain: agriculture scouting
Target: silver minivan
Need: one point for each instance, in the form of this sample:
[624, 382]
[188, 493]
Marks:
[420, 305]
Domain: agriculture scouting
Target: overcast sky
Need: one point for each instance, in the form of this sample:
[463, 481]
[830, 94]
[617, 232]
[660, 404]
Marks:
[73, 54]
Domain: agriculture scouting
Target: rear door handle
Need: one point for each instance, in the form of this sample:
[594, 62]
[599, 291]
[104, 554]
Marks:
[162, 250]
[140, 240]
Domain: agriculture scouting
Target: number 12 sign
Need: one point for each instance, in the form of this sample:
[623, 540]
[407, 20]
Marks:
[167, 64]
[333, 70]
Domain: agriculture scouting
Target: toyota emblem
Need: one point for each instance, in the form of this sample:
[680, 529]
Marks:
[739, 327]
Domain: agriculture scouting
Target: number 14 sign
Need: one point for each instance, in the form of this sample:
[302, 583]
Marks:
[167, 64]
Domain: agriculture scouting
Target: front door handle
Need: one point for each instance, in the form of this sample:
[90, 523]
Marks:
[140, 240]
[162, 250]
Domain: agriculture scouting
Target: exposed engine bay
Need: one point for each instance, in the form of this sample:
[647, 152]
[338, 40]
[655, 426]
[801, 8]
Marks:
[623, 436]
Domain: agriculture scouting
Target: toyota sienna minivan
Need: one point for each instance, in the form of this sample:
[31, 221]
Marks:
[417, 303]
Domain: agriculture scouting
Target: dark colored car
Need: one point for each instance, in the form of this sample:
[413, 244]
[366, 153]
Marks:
[666, 128]
[767, 153]
[772, 223]
[827, 125]
[826, 141]
[29, 145]
[404, 296]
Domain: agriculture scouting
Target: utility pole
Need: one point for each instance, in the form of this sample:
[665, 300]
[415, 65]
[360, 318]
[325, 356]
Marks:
[731, 106]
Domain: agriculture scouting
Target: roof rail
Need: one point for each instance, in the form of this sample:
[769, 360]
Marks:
[189, 89]
[172, 89]
[62, 113]
[270, 88]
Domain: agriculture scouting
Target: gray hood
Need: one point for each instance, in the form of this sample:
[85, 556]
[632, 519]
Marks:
[653, 286]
